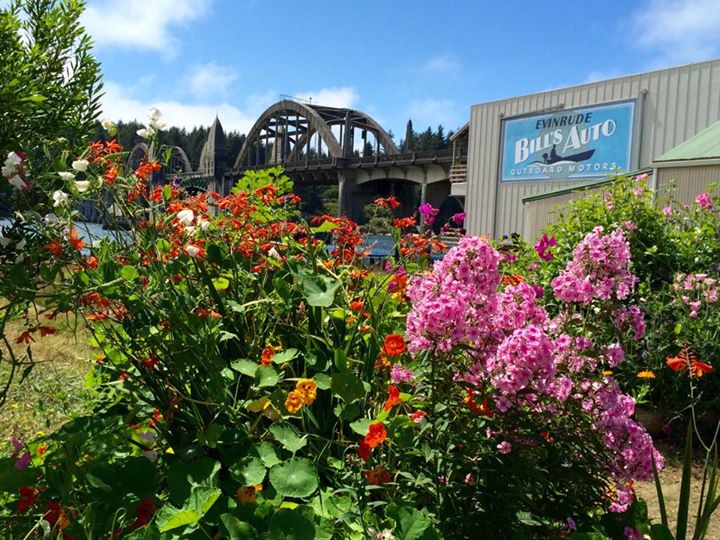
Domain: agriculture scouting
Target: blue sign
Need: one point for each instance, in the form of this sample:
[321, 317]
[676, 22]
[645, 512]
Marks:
[590, 142]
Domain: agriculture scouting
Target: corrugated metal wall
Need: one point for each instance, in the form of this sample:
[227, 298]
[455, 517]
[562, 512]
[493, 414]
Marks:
[688, 181]
[542, 212]
[679, 103]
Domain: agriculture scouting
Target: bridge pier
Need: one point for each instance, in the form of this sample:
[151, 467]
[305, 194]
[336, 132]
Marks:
[346, 190]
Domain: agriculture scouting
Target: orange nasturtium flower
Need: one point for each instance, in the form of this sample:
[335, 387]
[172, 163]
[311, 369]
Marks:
[246, 495]
[307, 389]
[393, 398]
[294, 402]
[645, 375]
[394, 345]
[267, 354]
[378, 476]
[55, 248]
[376, 435]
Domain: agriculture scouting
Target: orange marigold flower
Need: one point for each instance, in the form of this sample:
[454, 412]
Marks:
[377, 477]
[394, 345]
[376, 435]
[294, 402]
[700, 368]
[645, 375]
[393, 397]
[307, 389]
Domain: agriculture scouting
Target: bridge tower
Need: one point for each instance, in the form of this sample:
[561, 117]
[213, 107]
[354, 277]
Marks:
[213, 159]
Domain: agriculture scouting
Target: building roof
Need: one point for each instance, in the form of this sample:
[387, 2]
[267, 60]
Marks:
[462, 132]
[704, 145]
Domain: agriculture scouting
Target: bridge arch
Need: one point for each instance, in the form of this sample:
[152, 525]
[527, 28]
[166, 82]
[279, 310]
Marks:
[292, 125]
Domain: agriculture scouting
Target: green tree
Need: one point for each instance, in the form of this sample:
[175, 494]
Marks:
[50, 84]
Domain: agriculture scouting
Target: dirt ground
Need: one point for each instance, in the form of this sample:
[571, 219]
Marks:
[670, 479]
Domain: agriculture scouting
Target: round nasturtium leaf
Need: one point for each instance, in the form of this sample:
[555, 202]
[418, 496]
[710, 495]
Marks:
[248, 471]
[296, 477]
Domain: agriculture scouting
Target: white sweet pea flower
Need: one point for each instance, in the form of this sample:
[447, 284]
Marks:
[108, 125]
[190, 230]
[273, 253]
[66, 176]
[192, 250]
[59, 198]
[204, 224]
[13, 160]
[21, 244]
[51, 219]
[186, 216]
[18, 182]
[146, 132]
[80, 165]
[154, 116]
[82, 185]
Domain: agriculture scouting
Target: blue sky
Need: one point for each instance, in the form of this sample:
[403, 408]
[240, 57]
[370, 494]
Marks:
[394, 59]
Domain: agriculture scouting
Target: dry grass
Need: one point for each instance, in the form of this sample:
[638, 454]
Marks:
[54, 390]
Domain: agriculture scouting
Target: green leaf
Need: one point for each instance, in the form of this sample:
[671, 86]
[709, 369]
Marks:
[182, 477]
[236, 529]
[248, 471]
[128, 272]
[167, 192]
[348, 386]
[323, 381]
[163, 246]
[296, 477]
[266, 376]
[201, 499]
[284, 356]
[411, 524]
[220, 283]
[361, 426]
[684, 501]
[149, 532]
[286, 435]
[246, 367]
[322, 293]
[660, 532]
[266, 452]
[325, 226]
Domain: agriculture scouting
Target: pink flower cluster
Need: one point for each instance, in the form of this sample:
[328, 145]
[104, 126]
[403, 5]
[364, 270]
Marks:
[704, 200]
[598, 269]
[528, 364]
[694, 290]
[454, 304]
[428, 213]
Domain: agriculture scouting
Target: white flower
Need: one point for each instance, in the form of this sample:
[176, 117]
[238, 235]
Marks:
[8, 170]
[18, 182]
[12, 160]
[21, 244]
[108, 125]
[190, 230]
[192, 250]
[80, 165]
[185, 216]
[82, 185]
[273, 253]
[146, 132]
[20, 258]
[204, 224]
[60, 198]
[67, 176]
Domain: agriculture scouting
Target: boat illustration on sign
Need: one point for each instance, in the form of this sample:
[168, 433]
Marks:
[555, 159]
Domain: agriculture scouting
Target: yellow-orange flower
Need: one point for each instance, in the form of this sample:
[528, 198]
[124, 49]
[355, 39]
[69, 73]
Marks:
[246, 495]
[307, 389]
[294, 402]
[267, 354]
[607, 373]
[646, 375]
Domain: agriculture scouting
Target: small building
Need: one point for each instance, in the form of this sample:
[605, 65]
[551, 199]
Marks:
[688, 168]
[570, 137]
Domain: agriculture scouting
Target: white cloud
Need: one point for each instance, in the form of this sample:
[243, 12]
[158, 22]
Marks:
[599, 75]
[341, 97]
[678, 31]
[440, 64]
[118, 104]
[142, 24]
[211, 80]
[432, 112]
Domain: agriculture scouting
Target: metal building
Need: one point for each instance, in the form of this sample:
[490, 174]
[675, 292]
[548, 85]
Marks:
[572, 136]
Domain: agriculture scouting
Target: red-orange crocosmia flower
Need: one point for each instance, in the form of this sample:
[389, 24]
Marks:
[75, 240]
[46, 330]
[357, 304]
[25, 338]
[699, 369]
[376, 435]
[676, 363]
[92, 262]
[387, 202]
[110, 175]
[394, 345]
[377, 477]
[55, 248]
[393, 397]
[404, 223]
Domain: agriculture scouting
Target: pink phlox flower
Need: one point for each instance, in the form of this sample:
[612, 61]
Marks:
[542, 247]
